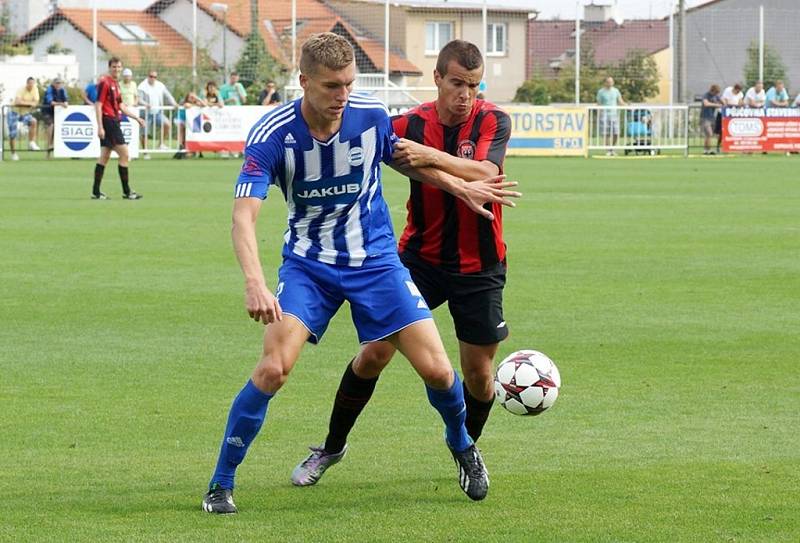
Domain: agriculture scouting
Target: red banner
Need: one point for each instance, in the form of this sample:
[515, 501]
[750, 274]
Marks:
[753, 133]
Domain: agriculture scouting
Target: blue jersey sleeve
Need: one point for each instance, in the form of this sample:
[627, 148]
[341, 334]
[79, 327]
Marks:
[387, 138]
[258, 172]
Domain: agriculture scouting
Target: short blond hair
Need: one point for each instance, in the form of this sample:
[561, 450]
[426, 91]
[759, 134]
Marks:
[325, 49]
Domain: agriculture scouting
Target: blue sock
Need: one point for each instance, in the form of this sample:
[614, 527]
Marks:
[244, 421]
[450, 405]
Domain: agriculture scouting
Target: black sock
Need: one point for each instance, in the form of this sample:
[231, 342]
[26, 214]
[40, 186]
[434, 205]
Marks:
[477, 414]
[353, 394]
[123, 177]
[99, 169]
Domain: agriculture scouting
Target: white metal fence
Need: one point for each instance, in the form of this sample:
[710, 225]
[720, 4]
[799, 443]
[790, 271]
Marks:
[639, 129]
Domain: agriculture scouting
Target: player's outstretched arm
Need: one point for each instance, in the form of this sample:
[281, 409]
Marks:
[416, 155]
[475, 194]
[261, 304]
[132, 114]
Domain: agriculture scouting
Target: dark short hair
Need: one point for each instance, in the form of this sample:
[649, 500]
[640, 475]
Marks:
[233, 73]
[29, 79]
[466, 54]
[738, 86]
[113, 60]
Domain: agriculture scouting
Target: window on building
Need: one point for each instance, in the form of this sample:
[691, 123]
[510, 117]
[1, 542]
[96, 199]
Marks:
[496, 39]
[130, 33]
[437, 34]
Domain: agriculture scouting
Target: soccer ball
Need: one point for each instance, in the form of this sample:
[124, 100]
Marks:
[526, 383]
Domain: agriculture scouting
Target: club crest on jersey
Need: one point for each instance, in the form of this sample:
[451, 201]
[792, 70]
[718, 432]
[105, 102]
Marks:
[251, 167]
[466, 149]
[355, 156]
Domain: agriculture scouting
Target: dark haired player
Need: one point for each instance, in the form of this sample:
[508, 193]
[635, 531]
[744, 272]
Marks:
[454, 255]
[109, 109]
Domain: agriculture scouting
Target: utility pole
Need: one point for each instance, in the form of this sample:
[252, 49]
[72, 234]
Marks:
[683, 72]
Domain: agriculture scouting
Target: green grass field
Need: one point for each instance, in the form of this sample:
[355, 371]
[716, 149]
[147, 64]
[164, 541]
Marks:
[668, 292]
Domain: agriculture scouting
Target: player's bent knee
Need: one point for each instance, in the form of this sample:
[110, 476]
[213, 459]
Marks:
[439, 376]
[269, 376]
[372, 359]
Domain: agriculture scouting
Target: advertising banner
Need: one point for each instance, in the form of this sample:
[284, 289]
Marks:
[749, 130]
[221, 129]
[548, 131]
[75, 133]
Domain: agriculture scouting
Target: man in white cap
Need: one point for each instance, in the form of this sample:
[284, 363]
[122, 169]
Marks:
[128, 89]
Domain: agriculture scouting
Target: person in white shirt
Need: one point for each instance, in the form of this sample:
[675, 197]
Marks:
[153, 94]
[732, 96]
[755, 97]
[796, 102]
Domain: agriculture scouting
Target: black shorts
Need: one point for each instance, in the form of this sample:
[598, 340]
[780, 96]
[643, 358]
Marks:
[113, 131]
[475, 300]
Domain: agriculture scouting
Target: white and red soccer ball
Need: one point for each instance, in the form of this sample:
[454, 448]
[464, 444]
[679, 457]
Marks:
[527, 383]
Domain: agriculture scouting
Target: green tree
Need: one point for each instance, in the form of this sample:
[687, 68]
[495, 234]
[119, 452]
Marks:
[774, 68]
[256, 65]
[543, 90]
[8, 40]
[636, 76]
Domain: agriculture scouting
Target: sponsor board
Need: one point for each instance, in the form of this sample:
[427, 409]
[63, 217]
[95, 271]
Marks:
[748, 130]
[548, 131]
[221, 129]
[75, 133]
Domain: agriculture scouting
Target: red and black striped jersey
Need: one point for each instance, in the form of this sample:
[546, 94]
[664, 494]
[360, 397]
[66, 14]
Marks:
[109, 95]
[440, 228]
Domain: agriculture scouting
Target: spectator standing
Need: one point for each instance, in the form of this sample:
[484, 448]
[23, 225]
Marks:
[128, 89]
[269, 95]
[732, 96]
[777, 96]
[233, 93]
[609, 97]
[153, 94]
[90, 93]
[710, 118]
[22, 113]
[54, 95]
[755, 96]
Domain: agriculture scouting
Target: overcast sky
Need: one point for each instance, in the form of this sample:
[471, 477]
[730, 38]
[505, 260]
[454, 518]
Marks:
[565, 9]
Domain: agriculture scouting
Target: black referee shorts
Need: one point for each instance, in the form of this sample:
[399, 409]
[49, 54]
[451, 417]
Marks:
[475, 300]
[113, 132]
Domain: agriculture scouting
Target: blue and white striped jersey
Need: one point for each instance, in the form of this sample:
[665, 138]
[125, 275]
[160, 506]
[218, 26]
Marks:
[332, 189]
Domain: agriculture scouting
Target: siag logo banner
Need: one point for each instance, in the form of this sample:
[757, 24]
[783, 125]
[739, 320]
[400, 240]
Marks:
[77, 131]
[75, 134]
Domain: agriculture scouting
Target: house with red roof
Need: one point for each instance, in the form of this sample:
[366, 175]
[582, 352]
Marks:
[222, 32]
[552, 44]
[136, 37]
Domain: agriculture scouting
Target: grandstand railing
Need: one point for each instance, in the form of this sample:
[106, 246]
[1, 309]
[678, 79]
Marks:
[640, 129]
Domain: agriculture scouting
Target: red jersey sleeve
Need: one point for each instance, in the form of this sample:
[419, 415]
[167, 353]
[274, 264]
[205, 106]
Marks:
[493, 136]
[102, 90]
[400, 124]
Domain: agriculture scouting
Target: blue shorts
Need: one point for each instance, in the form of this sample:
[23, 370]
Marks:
[155, 118]
[13, 119]
[383, 298]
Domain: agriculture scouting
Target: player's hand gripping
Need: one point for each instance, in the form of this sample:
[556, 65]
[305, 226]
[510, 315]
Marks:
[490, 190]
[261, 304]
[411, 153]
